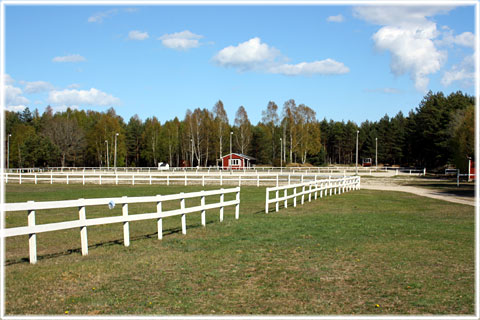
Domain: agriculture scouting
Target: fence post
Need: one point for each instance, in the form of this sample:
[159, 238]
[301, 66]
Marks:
[35, 178]
[258, 180]
[267, 195]
[83, 229]
[133, 179]
[159, 220]
[221, 202]
[221, 178]
[310, 193]
[276, 199]
[51, 178]
[150, 178]
[184, 217]
[277, 181]
[303, 192]
[202, 203]
[294, 196]
[168, 180]
[289, 178]
[20, 179]
[32, 237]
[203, 180]
[285, 193]
[237, 206]
[126, 226]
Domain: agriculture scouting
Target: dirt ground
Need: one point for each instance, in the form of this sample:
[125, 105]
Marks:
[399, 184]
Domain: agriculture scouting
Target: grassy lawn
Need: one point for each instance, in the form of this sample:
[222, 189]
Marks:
[363, 252]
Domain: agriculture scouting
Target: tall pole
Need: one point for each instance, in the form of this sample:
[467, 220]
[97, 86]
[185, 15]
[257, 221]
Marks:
[469, 166]
[230, 161]
[108, 160]
[191, 164]
[376, 153]
[356, 157]
[8, 150]
[115, 157]
[281, 152]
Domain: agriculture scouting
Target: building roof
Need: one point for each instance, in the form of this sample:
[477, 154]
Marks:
[240, 155]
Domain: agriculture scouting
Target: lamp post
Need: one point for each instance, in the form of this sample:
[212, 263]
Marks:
[230, 161]
[8, 150]
[191, 164]
[115, 157]
[356, 157]
[469, 166]
[108, 162]
[376, 152]
[281, 152]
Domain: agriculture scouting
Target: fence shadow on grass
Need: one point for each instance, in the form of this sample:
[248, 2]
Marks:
[68, 252]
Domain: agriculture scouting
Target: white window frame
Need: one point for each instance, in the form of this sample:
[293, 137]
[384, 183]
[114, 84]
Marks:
[234, 162]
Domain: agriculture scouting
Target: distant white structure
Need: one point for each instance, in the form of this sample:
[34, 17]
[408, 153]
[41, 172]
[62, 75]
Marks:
[163, 166]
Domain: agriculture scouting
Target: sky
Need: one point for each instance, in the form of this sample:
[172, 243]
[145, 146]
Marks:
[345, 62]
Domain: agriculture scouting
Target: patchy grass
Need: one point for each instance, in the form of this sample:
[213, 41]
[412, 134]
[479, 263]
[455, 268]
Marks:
[343, 254]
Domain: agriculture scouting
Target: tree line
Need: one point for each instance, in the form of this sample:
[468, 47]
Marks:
[438, 132]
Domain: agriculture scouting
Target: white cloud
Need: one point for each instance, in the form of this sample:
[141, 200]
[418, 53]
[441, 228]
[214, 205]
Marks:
[100, 16]
[412, 52]
[337, 18]
[181, 40]
[466, 39]
[73, 97]
[409, 36]
[137, 35]
[74, 86]
[247, 55]
[7, 79]
[14, 96]
[463, 72]
[18, 108]
[36, 86]
[324, 67]
[257, 56]
[384, 90]
[69, 58]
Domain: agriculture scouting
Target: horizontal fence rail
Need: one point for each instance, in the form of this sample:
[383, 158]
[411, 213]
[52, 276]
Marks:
[320, 187]
[218, 178]
[221, 178]
[82, 223]
[256, 169]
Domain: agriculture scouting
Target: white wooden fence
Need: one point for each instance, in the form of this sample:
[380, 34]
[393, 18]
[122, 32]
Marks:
[218, 178]
[32, 229]
[319, 187]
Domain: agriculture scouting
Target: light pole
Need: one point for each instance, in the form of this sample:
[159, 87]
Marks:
[191, 164]
[115, 156]
[376, 152]
[281, 152]
[356, 157]
[8, 150]
[469, 166]
[108, 162]
[230, 161]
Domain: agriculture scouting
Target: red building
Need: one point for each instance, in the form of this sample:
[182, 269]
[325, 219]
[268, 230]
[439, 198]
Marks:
[237, 161]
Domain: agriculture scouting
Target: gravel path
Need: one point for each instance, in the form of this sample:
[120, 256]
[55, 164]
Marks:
[390, 185]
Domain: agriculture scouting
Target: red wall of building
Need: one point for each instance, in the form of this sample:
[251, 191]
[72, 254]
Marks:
[234, 156]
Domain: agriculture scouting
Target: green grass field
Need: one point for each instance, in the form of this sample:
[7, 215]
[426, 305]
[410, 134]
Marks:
[362, 252]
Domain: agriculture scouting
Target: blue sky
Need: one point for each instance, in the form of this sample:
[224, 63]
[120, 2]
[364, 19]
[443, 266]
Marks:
[345, 62]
